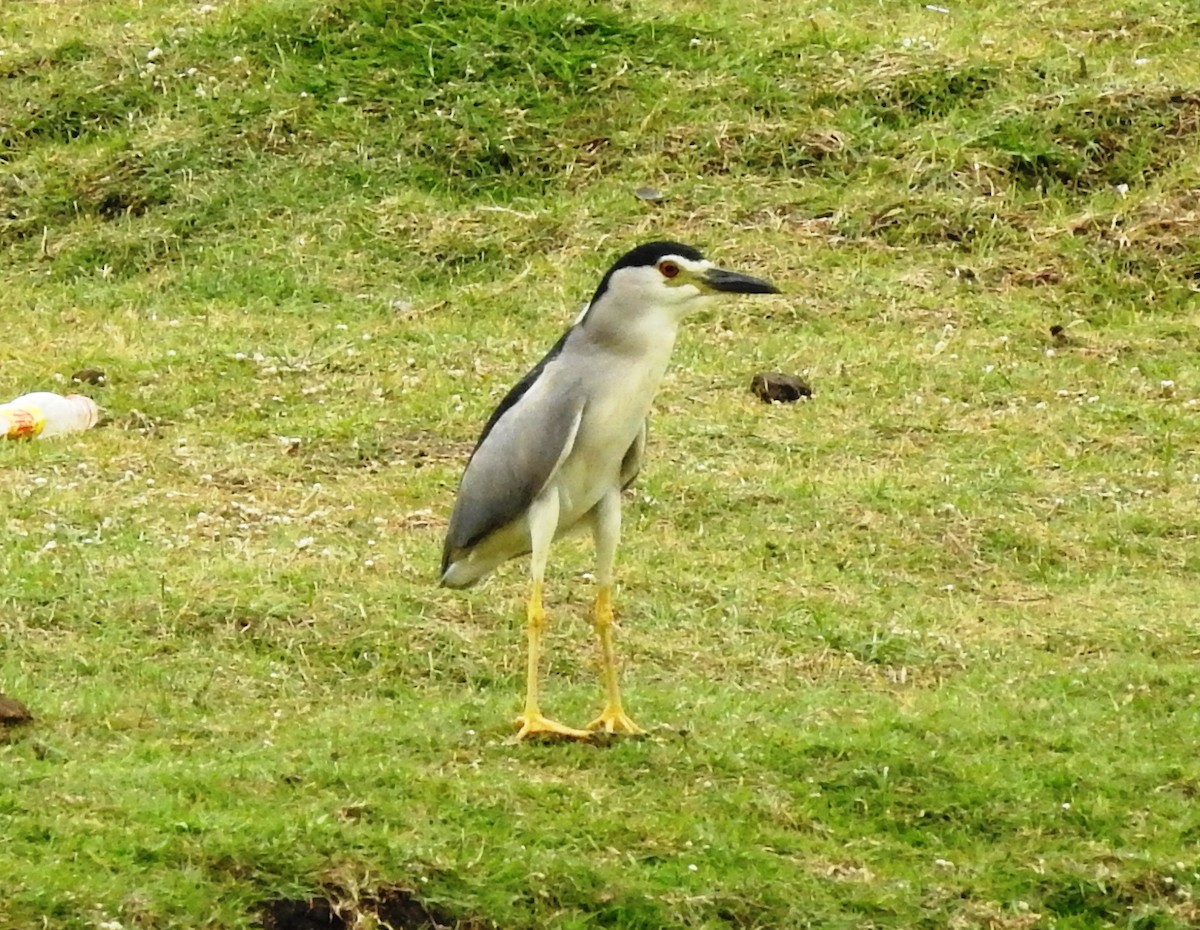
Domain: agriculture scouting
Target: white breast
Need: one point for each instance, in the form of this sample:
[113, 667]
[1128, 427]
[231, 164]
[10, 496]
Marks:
[620, 386]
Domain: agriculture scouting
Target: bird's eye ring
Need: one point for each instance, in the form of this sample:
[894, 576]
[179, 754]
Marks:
[668, 269]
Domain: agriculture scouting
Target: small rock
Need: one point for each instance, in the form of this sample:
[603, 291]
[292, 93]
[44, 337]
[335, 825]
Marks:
[649, 194]
[1059, 334]
[89, 376]
[775, 387]
[13, 712]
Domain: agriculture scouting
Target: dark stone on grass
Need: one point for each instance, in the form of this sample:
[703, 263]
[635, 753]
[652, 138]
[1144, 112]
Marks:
[649, 194]
[397, 908]
[775, 387]
[89, 376]
[402, 911]
[1059, 334]
[313, 914]
[13, 712]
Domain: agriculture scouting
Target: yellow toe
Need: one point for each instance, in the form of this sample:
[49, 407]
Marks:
[535, 726]
[615, 720]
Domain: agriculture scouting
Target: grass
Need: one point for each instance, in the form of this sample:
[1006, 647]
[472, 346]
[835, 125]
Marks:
[925, 646]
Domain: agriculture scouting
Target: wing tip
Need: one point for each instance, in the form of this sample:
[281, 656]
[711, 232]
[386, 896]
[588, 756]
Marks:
[448, 563]
[459, 575]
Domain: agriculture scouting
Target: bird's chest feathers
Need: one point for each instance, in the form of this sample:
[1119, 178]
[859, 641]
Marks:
[619, 397]
[620, 389]
[612, 419]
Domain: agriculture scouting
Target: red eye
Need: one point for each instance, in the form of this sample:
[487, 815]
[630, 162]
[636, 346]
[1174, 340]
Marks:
[668, 269]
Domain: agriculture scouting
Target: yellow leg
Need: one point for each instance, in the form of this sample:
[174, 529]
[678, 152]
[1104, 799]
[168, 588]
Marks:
[531, 722]
[613, 718]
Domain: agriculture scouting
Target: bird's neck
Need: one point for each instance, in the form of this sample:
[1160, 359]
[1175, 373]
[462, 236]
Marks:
[650, 337]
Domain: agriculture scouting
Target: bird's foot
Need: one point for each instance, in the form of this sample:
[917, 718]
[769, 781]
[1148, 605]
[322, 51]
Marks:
[615, 720]
[535, 726]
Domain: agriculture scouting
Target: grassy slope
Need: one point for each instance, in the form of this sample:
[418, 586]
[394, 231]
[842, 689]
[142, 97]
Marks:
[931, 636]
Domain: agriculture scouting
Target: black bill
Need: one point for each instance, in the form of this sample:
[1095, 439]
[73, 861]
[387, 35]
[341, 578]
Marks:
[734, 283]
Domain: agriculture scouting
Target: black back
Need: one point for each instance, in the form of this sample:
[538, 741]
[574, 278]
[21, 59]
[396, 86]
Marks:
[519, 389]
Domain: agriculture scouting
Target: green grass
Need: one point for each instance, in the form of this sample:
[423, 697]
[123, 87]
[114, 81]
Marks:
[925, 646]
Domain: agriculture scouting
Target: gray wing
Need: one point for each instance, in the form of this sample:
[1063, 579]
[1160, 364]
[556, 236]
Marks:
[517, 456]
[631, 464]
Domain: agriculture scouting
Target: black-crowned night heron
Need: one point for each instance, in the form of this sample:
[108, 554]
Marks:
[563, 444]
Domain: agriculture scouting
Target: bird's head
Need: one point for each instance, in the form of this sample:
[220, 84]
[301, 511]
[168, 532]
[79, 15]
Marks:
[663, 282]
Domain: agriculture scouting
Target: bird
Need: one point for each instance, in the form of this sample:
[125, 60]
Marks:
[567, 439]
